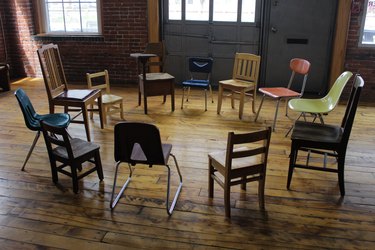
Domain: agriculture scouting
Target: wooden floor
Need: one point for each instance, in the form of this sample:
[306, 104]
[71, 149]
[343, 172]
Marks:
[36, 214]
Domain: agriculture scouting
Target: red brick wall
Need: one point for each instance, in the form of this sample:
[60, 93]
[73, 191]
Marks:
[124, 32]
[360, 59]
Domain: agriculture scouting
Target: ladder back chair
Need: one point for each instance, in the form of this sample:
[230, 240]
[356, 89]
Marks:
[298, 66]
[32, 119]
[325, 139]
[72, 152]
[140, 143]
[76, 100]
[244, 81]
[244, 160]
[111, 103]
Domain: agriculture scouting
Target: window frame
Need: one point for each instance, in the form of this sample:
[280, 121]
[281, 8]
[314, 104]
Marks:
[362, 28]
[42, 24]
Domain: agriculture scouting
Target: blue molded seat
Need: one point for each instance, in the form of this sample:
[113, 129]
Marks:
[32, 119]
[200, 72]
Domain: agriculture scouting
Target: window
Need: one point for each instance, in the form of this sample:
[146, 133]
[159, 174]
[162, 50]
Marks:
[70, 17]
[368, 24]
[222, 10]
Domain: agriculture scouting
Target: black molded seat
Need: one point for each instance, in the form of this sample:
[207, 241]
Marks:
[140, 143]
[329, 140]
[32, 119]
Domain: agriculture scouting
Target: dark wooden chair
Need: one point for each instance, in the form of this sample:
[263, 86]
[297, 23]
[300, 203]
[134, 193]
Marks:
[140, 143]
[153, 81]
[58, 92]
[325, 139]
[71, 152]
[32, 119]
[239, 164]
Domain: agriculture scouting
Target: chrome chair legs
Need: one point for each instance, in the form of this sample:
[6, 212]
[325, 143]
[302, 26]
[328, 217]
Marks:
[170, 208]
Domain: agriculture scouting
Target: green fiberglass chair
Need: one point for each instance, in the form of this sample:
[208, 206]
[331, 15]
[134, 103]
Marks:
[32, 119]
[318, 107]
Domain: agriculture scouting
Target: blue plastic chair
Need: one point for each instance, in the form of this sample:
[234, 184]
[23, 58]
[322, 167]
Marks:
[32, 119]
[200, 72]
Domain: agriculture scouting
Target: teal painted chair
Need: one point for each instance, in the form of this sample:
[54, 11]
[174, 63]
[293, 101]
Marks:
[32, 119]
[318, 107]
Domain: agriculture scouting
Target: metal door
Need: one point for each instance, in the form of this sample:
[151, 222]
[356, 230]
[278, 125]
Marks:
[298, 28]
[217, 39]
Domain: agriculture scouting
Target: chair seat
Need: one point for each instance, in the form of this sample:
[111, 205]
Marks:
[279, 92]
[109, 98]
[58, 119]
[317, 132]
[238, 84]
[157, 76]
[310, 106]
[196, 83]
[79, 148]
[138, 155]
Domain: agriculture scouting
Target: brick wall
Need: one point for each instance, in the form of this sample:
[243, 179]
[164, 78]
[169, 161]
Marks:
[124, 32]
[360, 59]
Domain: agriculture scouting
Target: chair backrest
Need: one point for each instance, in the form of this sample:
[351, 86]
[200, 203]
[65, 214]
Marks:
[237, 140]
[99, 80]
[52, 69]
[302, 67]
[200, 65]
[246, 67]
[351, 107]
[131, 134]
[29, 114]
[159, 50]
[333, 96]
[56, 136]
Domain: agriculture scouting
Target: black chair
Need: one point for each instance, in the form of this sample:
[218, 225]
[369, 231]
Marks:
[329, 140]
[32, 119]
[140, 143]
[200, 72]
[70, 152]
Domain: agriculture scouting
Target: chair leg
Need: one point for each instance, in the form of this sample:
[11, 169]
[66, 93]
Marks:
[55, 177]
[243, 184]
[173, 204]
[188, 94]
[74, 178]
[183, 96]
[210, 179]
[275, 118]
[260, 106]
[91, 111]
[340, 168]
[242, 103]
[227, 198]
[219, 99]
[118, 196]
[122, 111]
[145, 103]
[98, 163]
[292, 162]
[212, 96]
[86, 122]
[261, 187]
[205, 100]
[31, 149]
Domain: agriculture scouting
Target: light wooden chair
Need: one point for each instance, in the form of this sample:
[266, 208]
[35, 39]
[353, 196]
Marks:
[76, 100]
[239, 164]
[244, 81]
[111, 103]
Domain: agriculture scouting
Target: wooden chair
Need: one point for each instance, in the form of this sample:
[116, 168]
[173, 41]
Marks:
[140, 143]
[200, 73]
[70, 152]
[244, 81]
[298, 66]
[32, 119]
[111, 103]
[240, 164]
[58, 93]
[152, 79]
[326, 140]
